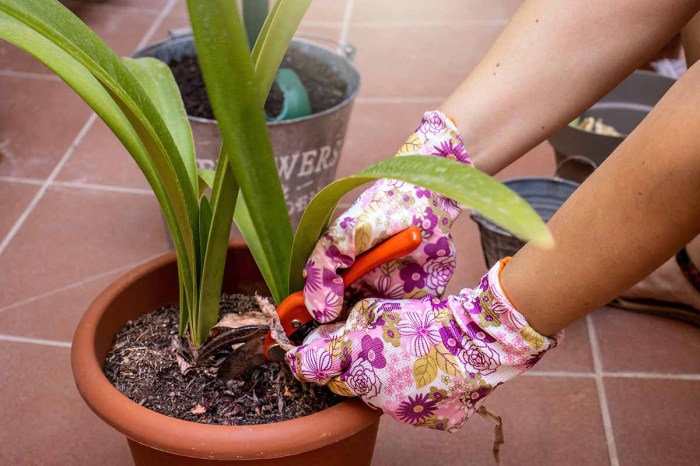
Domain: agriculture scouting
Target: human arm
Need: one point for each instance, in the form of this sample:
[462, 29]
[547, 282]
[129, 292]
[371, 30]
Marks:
[552, 62]
[639, 208]
[635, 211]
[430, 362]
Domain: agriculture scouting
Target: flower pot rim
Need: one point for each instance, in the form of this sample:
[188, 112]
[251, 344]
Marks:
[188, 438]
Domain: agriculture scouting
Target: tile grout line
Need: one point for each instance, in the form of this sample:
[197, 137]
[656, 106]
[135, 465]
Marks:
[35, 341]
[45, 185]
[157, 23]
[29, 75]
[651, 375]
[20, 180]
[320, 23]
[345, 25]
[79, 185]
[70, 286]
[613, 375]
[573, 375]
[602, 397]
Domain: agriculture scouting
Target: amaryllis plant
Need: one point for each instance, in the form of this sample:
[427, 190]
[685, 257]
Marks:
[139, 101]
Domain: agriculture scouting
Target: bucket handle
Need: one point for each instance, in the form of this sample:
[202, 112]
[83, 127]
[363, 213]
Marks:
[574, 158]
[179, 32]
[346, 50]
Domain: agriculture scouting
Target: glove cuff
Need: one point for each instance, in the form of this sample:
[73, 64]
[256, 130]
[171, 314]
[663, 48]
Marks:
[436, 135]
[489, 315]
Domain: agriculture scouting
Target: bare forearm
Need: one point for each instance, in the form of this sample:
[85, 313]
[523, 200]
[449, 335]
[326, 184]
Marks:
[552, 62]
[690, 35]
[638, 209]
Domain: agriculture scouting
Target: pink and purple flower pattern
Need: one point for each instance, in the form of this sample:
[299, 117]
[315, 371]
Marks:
[428, 362]
[386, 208]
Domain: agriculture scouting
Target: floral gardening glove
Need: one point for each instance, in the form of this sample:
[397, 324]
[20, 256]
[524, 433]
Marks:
[386, 208]
[427, 362]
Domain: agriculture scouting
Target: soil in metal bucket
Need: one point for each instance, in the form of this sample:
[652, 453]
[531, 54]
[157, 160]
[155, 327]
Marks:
[326, 89]
[151, 365]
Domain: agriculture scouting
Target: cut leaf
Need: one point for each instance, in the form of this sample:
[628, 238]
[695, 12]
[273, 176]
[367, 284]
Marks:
[205, 179]
[464, 184]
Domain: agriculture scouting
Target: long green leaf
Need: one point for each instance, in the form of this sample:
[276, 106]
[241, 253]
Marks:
[159, 83]
[228, 75]
[273, 42]
[58, 24]
[464, 184]
[226, 191]
[56, 37]
[205, 219]
[255, 243]
[266, 56]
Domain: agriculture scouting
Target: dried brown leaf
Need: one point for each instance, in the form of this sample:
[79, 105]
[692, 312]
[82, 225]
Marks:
[198, 409]
[276, 330]
[244, 319]
[183, 364]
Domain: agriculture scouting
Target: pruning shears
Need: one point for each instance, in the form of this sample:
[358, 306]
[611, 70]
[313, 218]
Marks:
[295, 318]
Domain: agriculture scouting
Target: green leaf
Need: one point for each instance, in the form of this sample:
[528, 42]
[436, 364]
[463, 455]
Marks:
[205, 179]
[62, 28]
[225, 62]
[254, 14]
[273, 42]
[185, 314]
[50, 32]
[466, 185]
[205, 219]
[225, 191]
[255, 243]
[159, 83]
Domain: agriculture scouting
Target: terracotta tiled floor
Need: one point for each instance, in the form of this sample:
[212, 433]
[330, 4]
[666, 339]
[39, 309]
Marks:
[75, 213]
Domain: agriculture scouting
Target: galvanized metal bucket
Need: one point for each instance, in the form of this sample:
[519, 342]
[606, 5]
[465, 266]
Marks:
[545, 195]
[306, 149]
[579, 152]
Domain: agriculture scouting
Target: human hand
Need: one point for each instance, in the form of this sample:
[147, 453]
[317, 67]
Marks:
[427, 362]
[386, 208]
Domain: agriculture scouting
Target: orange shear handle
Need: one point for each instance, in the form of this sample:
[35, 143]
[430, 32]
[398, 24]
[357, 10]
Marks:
[292, 311]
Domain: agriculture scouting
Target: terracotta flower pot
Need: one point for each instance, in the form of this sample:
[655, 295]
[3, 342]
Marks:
[341, 435]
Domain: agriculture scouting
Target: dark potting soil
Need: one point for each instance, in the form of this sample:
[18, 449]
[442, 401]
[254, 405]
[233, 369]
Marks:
[150, 364]
[325, 88]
